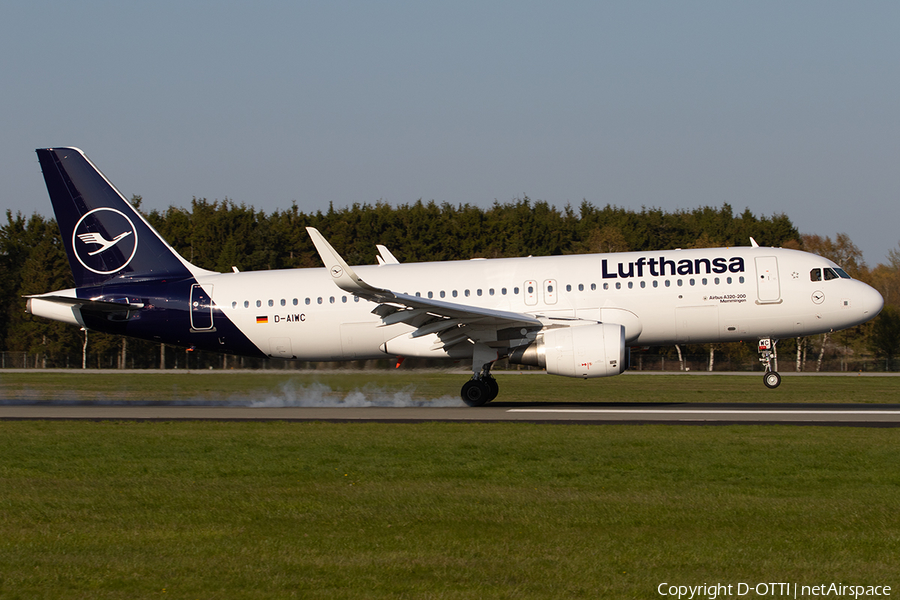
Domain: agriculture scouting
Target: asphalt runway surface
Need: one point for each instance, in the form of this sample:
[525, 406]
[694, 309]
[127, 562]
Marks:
[871, 415]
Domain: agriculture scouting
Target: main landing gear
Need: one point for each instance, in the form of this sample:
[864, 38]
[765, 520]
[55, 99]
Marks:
[766, 355]
[482, 388]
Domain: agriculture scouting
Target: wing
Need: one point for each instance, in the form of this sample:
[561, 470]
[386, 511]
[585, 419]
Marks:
[453, 323]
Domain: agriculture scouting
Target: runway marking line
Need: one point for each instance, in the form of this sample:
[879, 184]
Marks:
[663, 411]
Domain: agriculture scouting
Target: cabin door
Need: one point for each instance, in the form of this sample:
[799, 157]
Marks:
[201, 309]
[767, 285]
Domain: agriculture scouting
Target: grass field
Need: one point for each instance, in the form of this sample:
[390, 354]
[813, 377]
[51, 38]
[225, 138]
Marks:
[199, 386]
[444, 510]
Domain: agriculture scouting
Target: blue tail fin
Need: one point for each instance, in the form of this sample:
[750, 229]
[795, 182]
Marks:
[104, 236]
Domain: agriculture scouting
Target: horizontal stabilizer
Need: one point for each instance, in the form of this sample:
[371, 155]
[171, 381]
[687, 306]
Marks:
[93, 305]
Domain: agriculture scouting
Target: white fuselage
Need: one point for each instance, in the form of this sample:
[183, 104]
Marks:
[664, 297]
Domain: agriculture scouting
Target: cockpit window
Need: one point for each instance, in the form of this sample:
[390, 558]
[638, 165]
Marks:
[816, 274]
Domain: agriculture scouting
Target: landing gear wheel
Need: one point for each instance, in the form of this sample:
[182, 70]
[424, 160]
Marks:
[493, 387]
[476, 392]
[772, 380]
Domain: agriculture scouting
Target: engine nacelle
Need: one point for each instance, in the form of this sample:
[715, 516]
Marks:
[581, 351]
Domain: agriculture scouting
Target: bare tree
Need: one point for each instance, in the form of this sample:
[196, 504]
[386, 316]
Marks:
[821, 352]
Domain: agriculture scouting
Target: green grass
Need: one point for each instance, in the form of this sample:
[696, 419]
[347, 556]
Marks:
[439, 510]
[514, 387]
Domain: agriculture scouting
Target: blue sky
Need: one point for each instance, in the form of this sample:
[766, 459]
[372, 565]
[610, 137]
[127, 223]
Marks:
[787, 107]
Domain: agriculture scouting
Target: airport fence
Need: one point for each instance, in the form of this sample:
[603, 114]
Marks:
[179, 358]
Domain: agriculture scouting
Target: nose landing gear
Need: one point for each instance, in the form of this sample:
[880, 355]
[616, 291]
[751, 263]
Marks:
[771, 379]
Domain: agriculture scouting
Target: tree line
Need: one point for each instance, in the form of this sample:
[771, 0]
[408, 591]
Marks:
[220, 235]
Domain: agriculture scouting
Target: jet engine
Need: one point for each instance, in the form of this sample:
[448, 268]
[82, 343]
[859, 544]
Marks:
[582, 351]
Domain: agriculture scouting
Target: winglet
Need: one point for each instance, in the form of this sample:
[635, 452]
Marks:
[385, 257]
[344, 276]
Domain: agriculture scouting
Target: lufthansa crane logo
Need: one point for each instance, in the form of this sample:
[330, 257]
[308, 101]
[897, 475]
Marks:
[104, 241]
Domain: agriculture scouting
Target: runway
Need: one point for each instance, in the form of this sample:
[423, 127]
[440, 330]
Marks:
[881, 415]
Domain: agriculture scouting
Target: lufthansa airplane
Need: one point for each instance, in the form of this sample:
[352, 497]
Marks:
[575, 316]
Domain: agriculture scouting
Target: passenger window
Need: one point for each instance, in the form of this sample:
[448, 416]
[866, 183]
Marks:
[692, 282]
[568, 287]
[515, 291]
[618, 285]
[331, 300]
[593, 287]
[307, 301]
[630, 285]
[454, 293]
[643, 284]
[605, 286]
[258, 303]
[530, 289]
[234, 305]
[704, 281]
[271, 302]
[728, 280]
[246, 304]
[467, 293]
[716, 281]
[491, 292]
[580, 287]
[344, 299]
[655, 283]
[296, 302]
[443, 294]
[815, 275]
[741, 279]
[478, 292]
[668, 283]
[680, 283]
[503, 291]
[283, 302]
[319, 300]
[430, 295]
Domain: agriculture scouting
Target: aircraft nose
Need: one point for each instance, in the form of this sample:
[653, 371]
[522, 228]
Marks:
[871, 302]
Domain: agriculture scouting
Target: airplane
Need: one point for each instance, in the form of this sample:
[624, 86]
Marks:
[574, 316]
